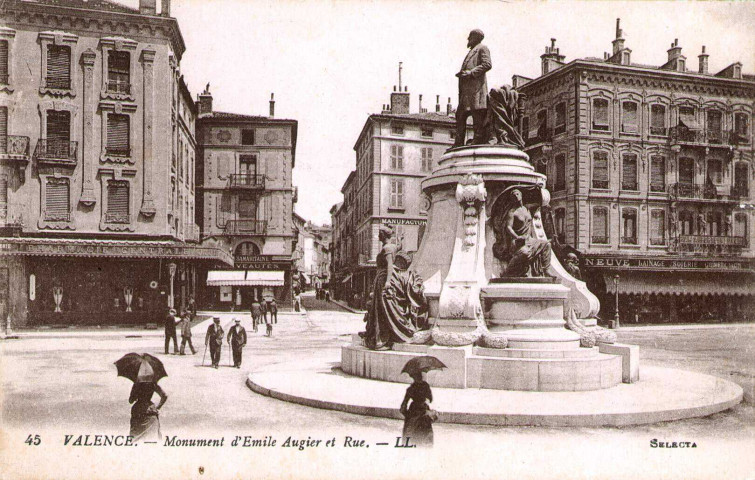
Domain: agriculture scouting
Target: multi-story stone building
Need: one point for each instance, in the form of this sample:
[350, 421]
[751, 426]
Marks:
[312, 253]
[245, 204]
[95, 205]
[394, 151]
[650, 171]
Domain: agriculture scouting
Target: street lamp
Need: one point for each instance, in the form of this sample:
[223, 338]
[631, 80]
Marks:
[615, 324]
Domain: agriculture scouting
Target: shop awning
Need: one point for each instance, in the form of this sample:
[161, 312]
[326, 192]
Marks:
[265, 278]
[306, 278]
[246, 278]
[99, 248]
[217, 278]
[670, 283]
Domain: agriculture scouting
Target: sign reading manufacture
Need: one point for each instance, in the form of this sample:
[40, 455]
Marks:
[634, 263]
[403, 221]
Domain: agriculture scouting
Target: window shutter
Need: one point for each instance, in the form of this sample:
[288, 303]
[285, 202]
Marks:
[400, 193]
[58, 67]
[600, 226]
[118, 134]
[657, 174]
[57, 203]
[117, 202]
[58, 133]
[657, 227]
[600, 170]
[4, 61]
[600, 112]
[630, 123]
[3, 198]
[3, 129]
[629, 172]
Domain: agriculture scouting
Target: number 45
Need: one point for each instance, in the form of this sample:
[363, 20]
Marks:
[33, 440]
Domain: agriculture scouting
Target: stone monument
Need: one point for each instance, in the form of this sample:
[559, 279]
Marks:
[502, 311]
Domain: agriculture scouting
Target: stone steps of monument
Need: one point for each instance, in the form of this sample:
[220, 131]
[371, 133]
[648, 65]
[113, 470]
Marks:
[468, 368]
[535, 353]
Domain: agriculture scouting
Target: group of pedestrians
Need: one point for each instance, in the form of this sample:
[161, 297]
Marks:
[183, 323]
[264, 311]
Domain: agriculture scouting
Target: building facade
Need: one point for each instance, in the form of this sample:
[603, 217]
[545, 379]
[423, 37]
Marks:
[395, 150]
[94, 210]
[312, 253]
[245, 204]
[650, 170]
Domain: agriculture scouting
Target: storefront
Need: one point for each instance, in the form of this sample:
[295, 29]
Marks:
[254, 277]
[672, 290]
[60, 282]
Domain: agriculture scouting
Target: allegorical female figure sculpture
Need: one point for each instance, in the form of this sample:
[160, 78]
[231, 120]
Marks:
[398, 309]
[525, 254]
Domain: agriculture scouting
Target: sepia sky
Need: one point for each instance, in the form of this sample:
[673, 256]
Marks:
[332, 63]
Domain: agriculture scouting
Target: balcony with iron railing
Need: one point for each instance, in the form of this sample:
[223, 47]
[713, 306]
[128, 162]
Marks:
[681, 135]
[117, 217]
[14, 147]
[691, 191]
[543, 138]
[246, 181]
[118, 151]
[244, 227]
[55, 153]
[11, 219]
[709, 245]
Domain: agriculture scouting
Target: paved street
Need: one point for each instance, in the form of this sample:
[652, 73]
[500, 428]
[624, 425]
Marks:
[53, 385]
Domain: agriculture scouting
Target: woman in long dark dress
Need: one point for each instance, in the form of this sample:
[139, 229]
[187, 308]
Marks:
[398, 308]
[145, 423]
[418, 417]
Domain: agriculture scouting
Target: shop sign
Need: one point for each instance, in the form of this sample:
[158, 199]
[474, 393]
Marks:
[403, 221]
[261, 266]
[618, 263]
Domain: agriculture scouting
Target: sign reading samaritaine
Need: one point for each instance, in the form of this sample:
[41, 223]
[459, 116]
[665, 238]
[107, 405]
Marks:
[635, 263]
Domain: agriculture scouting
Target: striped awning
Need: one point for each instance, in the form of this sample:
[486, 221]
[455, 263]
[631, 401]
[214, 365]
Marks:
[672, 283]
[246, 278]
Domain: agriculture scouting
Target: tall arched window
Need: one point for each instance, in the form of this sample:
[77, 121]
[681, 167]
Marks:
[600, 225]
[247, 248]
[600, 169]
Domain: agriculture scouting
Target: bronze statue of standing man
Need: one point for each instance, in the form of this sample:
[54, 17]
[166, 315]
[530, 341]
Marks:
[473, 89]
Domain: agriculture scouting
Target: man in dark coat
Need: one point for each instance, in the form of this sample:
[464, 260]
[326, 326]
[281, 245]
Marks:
[473, 89]
[237, 340]
[214, 339]
[170, 331]
[272, 307]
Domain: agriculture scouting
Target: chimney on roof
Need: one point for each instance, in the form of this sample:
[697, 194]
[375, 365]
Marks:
[437, 104]
[204, 103]
[551, 59]
[676, 60]
[703, 57]
[400, 99]
[420, 103]
[618, 42]
[148, 7]
[272, 105]
[448, 107]
[165, 10]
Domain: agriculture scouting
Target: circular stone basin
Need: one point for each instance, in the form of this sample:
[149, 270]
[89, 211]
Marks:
[662, 394]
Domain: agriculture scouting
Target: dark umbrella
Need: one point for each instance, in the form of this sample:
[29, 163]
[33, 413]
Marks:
[422, 364]
[141, 368]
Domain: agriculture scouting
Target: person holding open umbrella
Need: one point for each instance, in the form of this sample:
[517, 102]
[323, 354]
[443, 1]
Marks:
[418, 417]
[145, 371]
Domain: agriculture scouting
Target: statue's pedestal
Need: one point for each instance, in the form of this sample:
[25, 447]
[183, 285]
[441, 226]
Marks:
[469, 192]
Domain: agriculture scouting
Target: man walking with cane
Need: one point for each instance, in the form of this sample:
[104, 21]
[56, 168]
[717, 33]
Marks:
[214, 339]
[237, 340]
